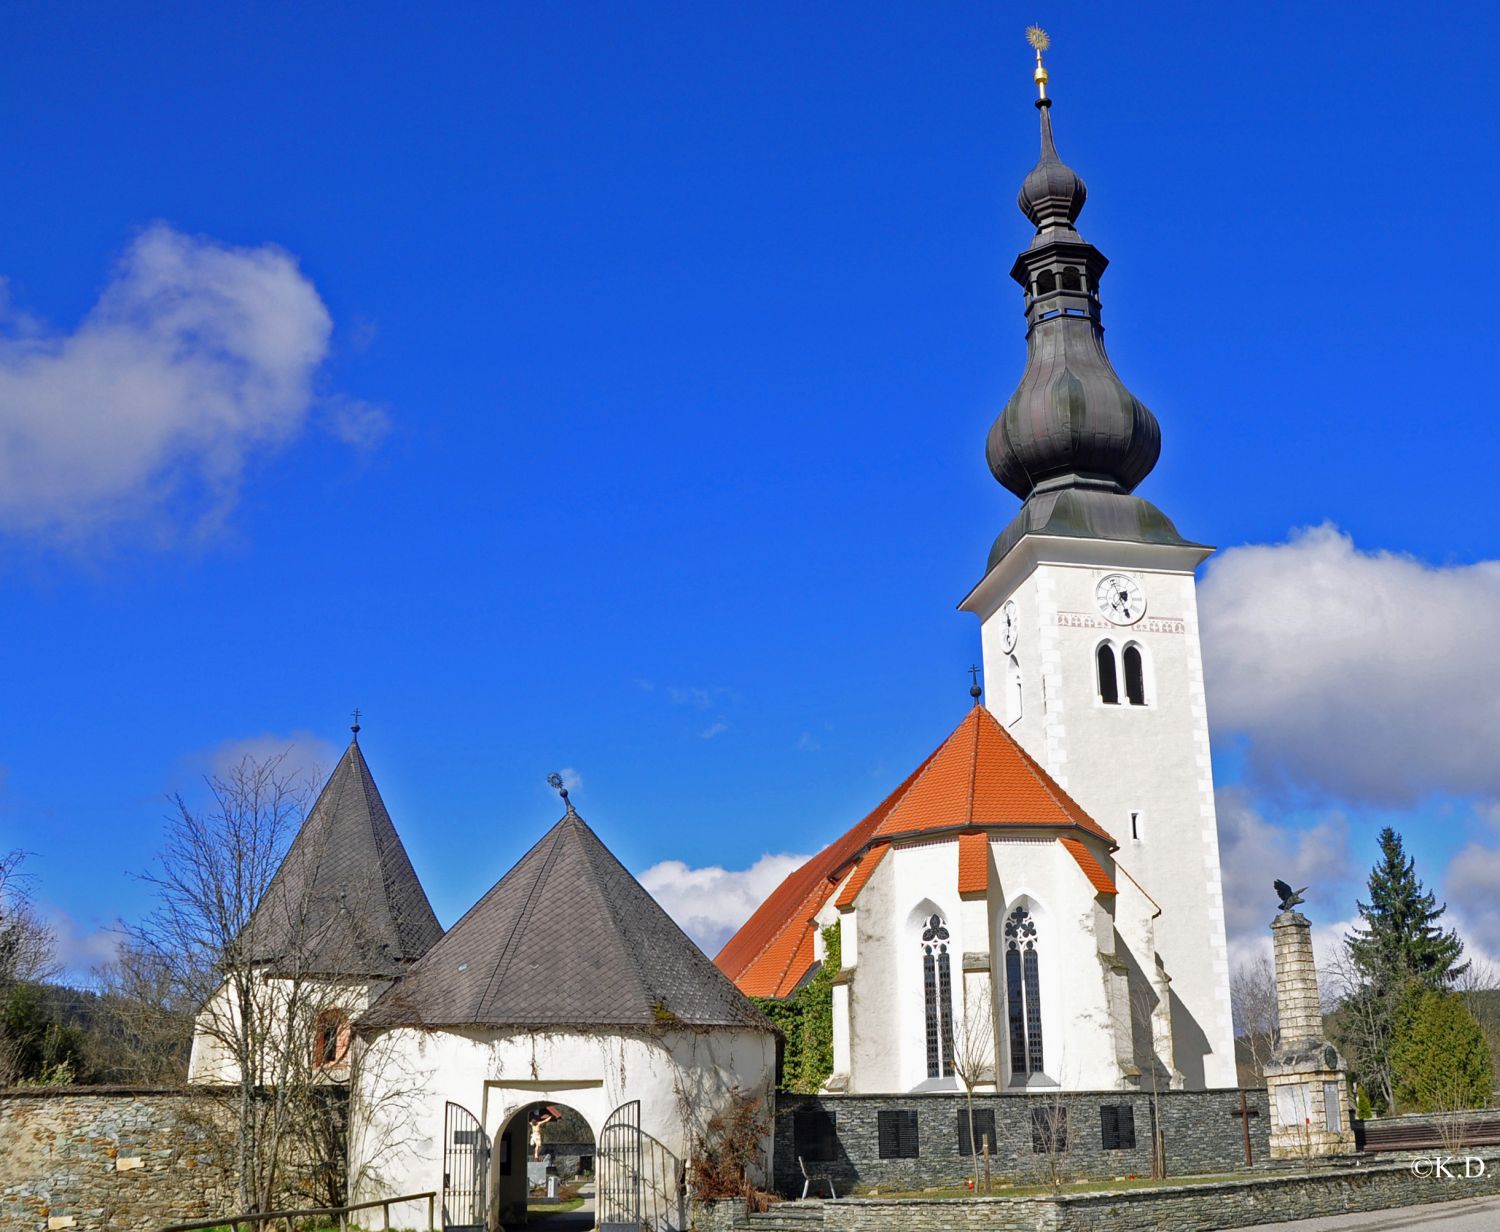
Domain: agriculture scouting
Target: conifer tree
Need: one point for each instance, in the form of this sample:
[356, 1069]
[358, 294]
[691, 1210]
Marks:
[1399, 937]
[1439, 1058]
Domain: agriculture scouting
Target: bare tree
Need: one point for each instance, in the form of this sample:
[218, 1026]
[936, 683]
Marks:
[144, 1031]
[254, 952]
[26, 948]
[974, 1060]
[1362, 1025]
[1252, 997]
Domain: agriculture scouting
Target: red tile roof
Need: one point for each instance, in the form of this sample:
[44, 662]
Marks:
[863, 871]
[973, 862]
[765, 957]
[978, 778]
[1102, 882]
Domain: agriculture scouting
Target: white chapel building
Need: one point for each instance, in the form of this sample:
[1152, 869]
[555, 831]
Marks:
[1048, 878]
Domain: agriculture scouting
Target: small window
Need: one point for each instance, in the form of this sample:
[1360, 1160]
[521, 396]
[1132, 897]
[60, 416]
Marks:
[815, 1134]
[1049, 1130]
[1046, 282]
[984, 1128]
[330, 1037]
[1135, 827]
[1109, 679]
[1117, 1127]
[1135, 676]
[1070, 280]
[897, 1131]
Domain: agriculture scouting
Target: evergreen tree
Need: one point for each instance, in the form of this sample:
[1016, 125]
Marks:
[1399, 937]
[1440, 1060]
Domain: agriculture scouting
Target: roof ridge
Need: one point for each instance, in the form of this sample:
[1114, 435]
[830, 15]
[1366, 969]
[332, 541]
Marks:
[632, 954]
[974, 765]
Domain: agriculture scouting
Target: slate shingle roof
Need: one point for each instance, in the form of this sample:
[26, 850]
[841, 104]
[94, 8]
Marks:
[345, 894]
[567, 938]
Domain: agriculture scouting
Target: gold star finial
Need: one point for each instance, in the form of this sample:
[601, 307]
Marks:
[1038, 39]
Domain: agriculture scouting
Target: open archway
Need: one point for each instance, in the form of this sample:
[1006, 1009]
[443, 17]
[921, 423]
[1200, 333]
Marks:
[542, 1169]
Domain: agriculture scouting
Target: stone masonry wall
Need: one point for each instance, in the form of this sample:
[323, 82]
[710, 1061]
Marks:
[127, 1159]
[88, 1158]
[1202, 1130]
[1192, 1208]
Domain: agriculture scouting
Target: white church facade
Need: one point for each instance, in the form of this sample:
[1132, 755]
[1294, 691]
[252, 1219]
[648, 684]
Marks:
[1036, 909]
[1048, 879]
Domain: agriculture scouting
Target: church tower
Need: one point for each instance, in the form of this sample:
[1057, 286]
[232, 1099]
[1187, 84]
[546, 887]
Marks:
[1088, 612]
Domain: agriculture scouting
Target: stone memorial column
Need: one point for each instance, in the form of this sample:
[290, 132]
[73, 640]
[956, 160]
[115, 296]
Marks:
[1305, 1079]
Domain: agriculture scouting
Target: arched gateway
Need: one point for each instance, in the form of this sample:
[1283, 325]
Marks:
[566, 985]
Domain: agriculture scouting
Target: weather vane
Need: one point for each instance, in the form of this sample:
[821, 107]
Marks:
[1037, 37]
[555, 782]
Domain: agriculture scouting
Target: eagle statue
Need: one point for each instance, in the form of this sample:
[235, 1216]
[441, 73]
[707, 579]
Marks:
[1289, 897]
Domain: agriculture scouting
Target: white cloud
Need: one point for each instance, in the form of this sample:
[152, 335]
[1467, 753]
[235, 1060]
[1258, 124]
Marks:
[1367, 675]
[79, 950]
[307, 759]
[714, 729]
[1254, 852]
[711, 903]
[571, 779]
[808, 743]
[197, 358]
[1472, 884]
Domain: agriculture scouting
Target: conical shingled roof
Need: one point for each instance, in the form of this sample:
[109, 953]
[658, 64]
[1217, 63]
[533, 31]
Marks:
[346, 894]
[979, 779]
[567, 938]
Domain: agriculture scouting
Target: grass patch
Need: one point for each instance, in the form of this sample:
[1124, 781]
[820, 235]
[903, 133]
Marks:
[537, 1212]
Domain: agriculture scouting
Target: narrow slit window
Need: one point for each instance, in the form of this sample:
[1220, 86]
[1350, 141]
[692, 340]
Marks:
[1109, 680]
[1135, 826]
[1135, 676]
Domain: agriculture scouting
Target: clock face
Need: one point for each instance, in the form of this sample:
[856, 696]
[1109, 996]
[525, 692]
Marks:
[1120, 599]
[1009, 626]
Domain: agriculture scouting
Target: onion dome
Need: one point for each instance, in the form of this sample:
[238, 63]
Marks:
[1052, 193]
[1072, 442]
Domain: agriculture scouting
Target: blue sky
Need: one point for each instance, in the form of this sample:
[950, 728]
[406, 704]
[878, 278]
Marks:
[605, 387]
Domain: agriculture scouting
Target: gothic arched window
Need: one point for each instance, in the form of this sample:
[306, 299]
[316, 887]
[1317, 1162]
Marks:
[937, 985]
[1023, 993]
[1109, 676]
[1135, 676]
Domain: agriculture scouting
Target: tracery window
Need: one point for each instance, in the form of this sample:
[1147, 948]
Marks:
[937, 986]
[1023, 993]
[1109, 674]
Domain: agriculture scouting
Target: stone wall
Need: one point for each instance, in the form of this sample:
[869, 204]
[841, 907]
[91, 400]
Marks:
[1189, 1208]
[125, 1159]
[1202, 1131]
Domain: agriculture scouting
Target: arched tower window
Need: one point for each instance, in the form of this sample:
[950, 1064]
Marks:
[1070, 280]
[1135, 675]
[1109, 675]
[1046, 282]
[1012, 691]
[1023, 993]
[937, 985]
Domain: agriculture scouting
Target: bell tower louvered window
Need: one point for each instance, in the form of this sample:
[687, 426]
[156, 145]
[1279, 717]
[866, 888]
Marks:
[937, 987]
[1023, 993]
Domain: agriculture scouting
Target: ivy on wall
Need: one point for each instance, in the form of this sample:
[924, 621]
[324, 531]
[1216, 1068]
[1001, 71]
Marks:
[806, 1020]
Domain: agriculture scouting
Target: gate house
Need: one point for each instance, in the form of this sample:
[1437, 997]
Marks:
[565, 984]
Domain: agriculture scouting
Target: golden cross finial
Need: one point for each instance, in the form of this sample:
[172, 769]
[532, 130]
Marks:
[1037, 37]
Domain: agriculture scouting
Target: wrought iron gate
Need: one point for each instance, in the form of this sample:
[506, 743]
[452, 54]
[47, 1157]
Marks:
[620, 1165]
[466, 1169]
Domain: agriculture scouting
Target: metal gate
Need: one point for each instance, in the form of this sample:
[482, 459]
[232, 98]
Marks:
[466, 1169]
[620, 1166]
